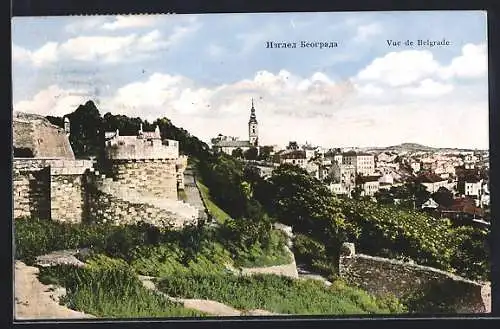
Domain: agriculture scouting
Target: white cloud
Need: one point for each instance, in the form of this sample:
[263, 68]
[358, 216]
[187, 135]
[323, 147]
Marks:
[109, 49]
[472, 63]
[290, 107]
[366, 31]
[429, 87]
[400, 68]
[407, 67]
[369, 89]
[48, 53]
[131, 21]
[20, 54]
[79, 24]
[53, 101]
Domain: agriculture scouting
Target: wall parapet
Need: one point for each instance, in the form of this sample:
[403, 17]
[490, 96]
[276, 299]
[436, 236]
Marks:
[58, 166]
[381, 276]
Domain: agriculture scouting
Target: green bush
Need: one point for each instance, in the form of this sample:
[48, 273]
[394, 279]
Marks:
[168, 259]
[389, 231]
[314, 255]
[109, 288]
[402, 232]
[35, 237]
[276, 294]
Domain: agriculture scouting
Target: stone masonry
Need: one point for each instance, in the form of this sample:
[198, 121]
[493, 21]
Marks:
[49, 188]
[144, 176]
[381, 276]
[152, 177]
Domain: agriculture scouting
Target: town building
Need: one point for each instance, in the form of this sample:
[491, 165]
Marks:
[228, 144]
[364, 163]
[294, 157]
[432, 182]
[345, 175]
[369, 185]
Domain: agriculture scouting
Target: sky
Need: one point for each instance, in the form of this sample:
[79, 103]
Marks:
[201, 71]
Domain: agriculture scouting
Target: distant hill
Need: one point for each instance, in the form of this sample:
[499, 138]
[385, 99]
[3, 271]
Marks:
[414, 147]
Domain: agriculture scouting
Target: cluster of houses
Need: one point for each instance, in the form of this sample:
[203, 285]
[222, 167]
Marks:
[462, 174]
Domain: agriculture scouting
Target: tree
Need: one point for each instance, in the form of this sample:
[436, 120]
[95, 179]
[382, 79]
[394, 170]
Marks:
[87, 133]
[251, 153]
[237, 153]
[223, 174]
[265, 153]
[384, 197]
[300, 200]
[251, 174]
[356, 192]
[443, 197]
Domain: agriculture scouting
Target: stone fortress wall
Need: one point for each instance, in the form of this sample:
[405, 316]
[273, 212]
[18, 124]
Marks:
[49, 188]
[143, 176]
[140, 188]
[381, 276]
[36, 133]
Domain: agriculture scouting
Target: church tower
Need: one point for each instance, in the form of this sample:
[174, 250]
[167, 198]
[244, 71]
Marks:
[253, 129]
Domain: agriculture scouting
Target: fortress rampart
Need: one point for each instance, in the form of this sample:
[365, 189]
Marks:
[141, 185]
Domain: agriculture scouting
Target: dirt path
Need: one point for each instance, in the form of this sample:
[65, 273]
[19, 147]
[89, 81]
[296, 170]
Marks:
[204, 305]
[486, 294]
[34, 300]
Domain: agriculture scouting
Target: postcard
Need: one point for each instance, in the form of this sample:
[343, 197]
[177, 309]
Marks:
[258, 164]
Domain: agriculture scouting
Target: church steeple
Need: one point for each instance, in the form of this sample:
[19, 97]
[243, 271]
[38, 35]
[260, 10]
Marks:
[253, 133]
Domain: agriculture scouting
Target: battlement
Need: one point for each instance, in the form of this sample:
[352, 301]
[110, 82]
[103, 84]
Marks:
[137, 147]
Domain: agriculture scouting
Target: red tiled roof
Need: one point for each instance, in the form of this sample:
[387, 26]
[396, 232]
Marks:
[366, 179]
[464, 205]
[296, 154]
[430, 178]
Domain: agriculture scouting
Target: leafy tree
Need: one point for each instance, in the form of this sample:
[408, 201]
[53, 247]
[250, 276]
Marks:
[356, 192]
[384, 197]
[251, 174]
[411, 195]
[251, 153]
[224, 175]
[300, 200]
[57, 121]
[472, 256]
[265, 153]
[87, 133]
[237, 153]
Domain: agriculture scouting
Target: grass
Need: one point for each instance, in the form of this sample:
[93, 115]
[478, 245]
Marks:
[214, 210]
[257, 256]
[109, 288]
[34, 237]
[278, 294]
[169, 259]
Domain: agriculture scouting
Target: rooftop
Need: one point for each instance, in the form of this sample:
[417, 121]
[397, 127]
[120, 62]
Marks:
[429, 177]
[295, 154]
[232, 143]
